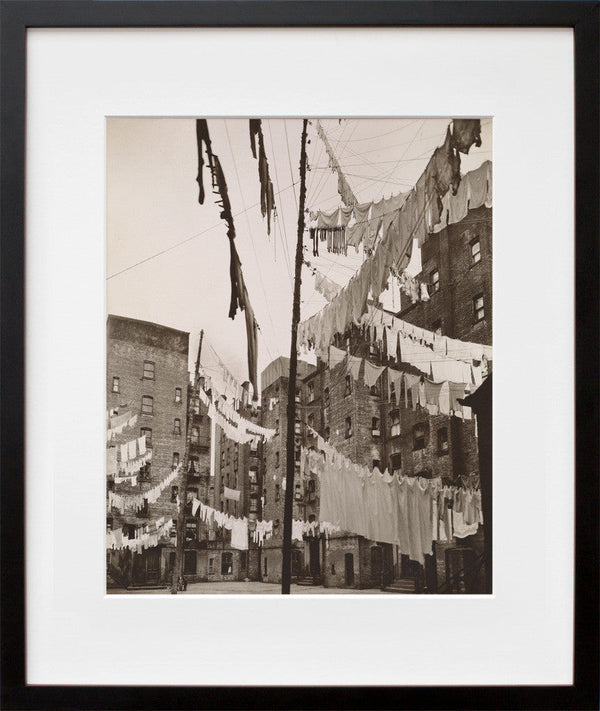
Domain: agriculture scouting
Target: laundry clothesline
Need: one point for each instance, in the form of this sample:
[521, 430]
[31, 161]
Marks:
[392, 252]
[437, 397]
[119, 423]
[235, 426]
[147, 536]
[136, 501]
[409, 512]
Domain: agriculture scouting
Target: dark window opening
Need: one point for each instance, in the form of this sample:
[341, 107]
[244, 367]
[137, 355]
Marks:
[148, 370]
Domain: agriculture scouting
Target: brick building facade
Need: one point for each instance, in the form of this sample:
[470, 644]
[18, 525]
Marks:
[147, 375]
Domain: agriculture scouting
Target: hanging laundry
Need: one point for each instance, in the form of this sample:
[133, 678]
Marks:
[480, 186]
[372, 373]
[239, 534]
[343, 187]
[443, 170]
[267, 197]
[231, 494]
[465, 133]
[336, 356]
[328, 220]
[239, 293]
[353, 366]
[111, 461]
[325, 286]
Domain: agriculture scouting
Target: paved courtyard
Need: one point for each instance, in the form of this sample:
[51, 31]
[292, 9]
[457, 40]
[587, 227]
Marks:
[250, 588]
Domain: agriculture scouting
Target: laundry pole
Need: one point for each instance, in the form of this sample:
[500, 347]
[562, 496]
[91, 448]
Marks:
[286, 562]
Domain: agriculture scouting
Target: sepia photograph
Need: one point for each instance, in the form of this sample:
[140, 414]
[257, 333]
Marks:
[299, 356]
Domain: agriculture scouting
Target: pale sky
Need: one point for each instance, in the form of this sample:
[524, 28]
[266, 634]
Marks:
[168, 256]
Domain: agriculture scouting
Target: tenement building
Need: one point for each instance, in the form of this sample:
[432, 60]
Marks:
[147, 398]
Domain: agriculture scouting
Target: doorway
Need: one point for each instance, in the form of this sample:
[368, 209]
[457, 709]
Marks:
[349, 569]
[314, 562]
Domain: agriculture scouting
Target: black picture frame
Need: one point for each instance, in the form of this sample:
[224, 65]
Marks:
[16, 17]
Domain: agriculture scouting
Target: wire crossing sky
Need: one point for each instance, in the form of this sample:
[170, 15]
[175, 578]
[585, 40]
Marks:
[168, 256]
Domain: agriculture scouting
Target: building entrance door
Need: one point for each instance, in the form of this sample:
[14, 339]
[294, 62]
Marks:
[349, 569]
[376, 565]
[314, 563]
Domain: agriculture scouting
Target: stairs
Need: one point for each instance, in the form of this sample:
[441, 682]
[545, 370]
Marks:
[307, 580]
[402, 586]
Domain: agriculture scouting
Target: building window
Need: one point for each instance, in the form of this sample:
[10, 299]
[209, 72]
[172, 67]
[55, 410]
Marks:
[144, 474]
[226, 563]
[443, 440]
[194, 467]
[311, 392]
[478, 310]
[326, 397]
[348, 389]
[177, 394]
[191, 530]
[348, 427]
[143, 511]
[148, 433]
[130, 528]
[396, 462]
[327, 434]
[211, 566]
[475, 250]
[436, 327]
[264, 497]
[148, 370]
[394, 423]
[175, 463]
[434, 281]
[276, 459]
[392, 391]
[277, 426]
[177, 426]
[253, 504]
[311, 421]
[189, 562]
[174, 492]
[147, 405]
[419, 437]
[195, 435]
[298, 395]
[277, 492]
[298, 492]
[115, 387]
[375, 431]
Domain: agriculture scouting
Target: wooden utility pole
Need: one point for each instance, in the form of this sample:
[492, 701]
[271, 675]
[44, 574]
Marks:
[183, 479]
[286, 563]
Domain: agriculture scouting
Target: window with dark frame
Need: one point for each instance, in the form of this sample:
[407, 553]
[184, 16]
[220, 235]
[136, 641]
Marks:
[174, 492]
[327, 434]
[147, 405]
[195, 435]
[375, 431]
[148, 433]
[394, 423]
[277, 492]
[148, 370]
[478, 308]
[175, 462]
[311, 392]
[348, 389]
[226, 563]
[475, 245]
[443, 440]
[396, 462]
[348, 427]
[276, 459]
[326, 397]
[434, 281]
[115, 384]
[176, 426]
[419, 437]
